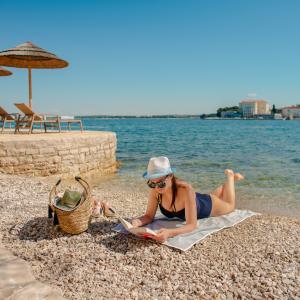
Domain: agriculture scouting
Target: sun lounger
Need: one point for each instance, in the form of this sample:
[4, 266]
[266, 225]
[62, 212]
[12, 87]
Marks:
[69, 121]
[6, 118]
[29, 118]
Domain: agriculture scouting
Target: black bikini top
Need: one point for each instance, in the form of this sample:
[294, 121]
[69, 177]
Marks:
[171, 214]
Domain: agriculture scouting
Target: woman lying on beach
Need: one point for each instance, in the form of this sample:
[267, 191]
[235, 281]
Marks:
[176, 198]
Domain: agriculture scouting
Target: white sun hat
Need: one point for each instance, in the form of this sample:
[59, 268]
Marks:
[158, 167]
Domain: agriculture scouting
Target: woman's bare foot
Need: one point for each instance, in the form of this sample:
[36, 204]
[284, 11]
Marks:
[101, 207]
[97, 209]
[228, 172]
[238, 177]
[106, 210]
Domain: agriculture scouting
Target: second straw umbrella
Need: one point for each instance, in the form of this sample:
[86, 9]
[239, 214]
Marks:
[4, 72]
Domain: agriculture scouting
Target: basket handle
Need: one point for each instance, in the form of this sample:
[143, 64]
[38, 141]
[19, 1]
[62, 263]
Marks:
[84, 184]
[53, 191]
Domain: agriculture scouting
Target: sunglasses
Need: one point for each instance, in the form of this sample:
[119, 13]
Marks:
[161, 184]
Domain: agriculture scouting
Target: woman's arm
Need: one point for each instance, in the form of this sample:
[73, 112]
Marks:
[150, 212]
[188, 194]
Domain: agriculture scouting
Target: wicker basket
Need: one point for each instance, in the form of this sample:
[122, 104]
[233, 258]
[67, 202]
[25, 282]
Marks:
[77, 220]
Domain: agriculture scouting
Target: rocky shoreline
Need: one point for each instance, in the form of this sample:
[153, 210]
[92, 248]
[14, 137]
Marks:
[256, 259]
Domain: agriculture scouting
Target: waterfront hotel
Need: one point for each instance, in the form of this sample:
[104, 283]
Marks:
[250, 108]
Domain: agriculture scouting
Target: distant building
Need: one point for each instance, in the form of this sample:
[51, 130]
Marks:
[250, 108]
[291, 111]
[277, 116]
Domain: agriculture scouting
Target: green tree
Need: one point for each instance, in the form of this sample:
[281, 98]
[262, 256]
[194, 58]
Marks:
[230, 108]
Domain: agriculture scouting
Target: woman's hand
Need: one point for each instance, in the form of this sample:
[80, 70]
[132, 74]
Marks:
[135, 222]
[140, 221]
[162, 235]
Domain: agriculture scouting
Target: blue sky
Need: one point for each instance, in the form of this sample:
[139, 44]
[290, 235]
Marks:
[154, 57]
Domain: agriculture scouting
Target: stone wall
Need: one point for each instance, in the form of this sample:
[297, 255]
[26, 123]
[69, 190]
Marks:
[67, 153]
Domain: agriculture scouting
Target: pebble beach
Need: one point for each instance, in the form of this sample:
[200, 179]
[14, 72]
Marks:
[256, 259]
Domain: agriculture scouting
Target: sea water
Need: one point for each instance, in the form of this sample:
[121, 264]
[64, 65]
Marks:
[266, 152]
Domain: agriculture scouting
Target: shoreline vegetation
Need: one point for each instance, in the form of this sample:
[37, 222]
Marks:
[201, 117]
[258, 258]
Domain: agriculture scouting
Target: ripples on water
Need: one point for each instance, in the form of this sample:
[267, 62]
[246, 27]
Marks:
[267, 152]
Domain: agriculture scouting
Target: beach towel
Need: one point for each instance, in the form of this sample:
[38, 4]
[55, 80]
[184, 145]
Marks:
[205, 227]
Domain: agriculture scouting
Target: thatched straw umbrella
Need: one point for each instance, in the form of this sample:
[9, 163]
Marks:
[29, 56]
[4, 72]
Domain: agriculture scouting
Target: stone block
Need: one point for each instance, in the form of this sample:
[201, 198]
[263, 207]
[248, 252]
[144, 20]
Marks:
[40, 165]
[108, 154]
[63, 146]
[24, 159]
[93, 149]
[53, 170]
[84, 150]
[8, 161]
[47, 150]
[3, 152]
[64, 169]
[68, 157]
[74, 170]
[14, 271]
[63, 152]
[7, 170]
[68, 162]
[56, 159]
[33, 290]
[31, 151]
[40, 158]
[81, 158]
[74, 151]
[19, 145]
[20, 169]
[15, 152]
[18, 283]
[45, 172]
[83, 168]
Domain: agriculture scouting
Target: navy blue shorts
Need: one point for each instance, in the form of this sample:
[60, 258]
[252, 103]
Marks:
[204, 205]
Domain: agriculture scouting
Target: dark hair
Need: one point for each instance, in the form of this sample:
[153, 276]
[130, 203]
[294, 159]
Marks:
[174, 192]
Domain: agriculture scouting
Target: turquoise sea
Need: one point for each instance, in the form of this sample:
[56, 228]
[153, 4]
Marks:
[266, 152]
